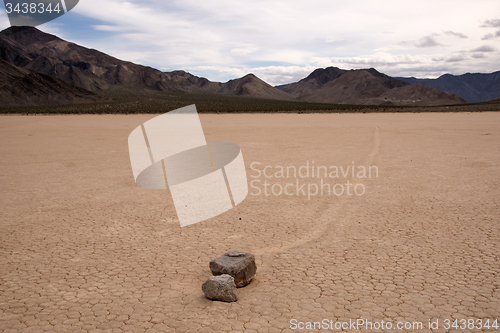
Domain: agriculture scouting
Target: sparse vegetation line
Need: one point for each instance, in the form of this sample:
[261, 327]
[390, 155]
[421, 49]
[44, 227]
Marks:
[122, 101]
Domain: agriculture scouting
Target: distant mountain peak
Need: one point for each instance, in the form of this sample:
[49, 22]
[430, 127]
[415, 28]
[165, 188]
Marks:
[325, 75]
[247, 77]
[28, 35]
[251, 85]
[375, 72]
[16, 29]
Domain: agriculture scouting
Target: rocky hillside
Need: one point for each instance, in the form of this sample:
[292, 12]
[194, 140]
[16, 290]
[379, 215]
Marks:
[20, 86]
[365, 87]
[250, 85]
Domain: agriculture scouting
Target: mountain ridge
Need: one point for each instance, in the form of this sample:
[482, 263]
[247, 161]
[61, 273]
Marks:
[90, 69]
[93, 70]
[472, 87]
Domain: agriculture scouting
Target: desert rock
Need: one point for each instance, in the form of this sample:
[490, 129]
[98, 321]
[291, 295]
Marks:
[220, 288]
[240, 265]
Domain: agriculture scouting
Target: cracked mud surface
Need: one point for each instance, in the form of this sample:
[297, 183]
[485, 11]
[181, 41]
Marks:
[83, 249]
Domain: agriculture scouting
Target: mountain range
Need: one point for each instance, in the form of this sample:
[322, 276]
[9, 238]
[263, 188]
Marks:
[31, 51]
[474, 88]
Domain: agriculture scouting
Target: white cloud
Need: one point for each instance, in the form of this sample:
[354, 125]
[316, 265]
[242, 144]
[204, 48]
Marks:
[488, 36]
[243, 51]
[495, 23]
[456, 34]
[484, 48]
[427, 41]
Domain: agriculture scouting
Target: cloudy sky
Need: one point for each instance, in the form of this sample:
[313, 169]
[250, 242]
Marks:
[283, 41]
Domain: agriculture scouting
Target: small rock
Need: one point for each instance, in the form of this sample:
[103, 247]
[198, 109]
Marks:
[220, 288]
[240, 265]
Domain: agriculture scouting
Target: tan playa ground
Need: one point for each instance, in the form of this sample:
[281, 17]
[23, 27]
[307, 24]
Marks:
[83, 249]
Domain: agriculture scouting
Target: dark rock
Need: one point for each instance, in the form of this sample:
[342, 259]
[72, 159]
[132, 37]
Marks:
[220, 288]
[240, 265]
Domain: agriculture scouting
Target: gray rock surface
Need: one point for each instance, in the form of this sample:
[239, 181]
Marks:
[240, 265]
[220, 288]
